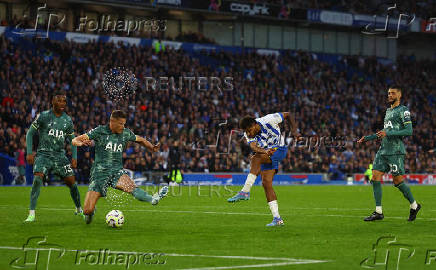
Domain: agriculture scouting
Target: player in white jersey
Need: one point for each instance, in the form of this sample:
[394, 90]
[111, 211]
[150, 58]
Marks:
[264, 137]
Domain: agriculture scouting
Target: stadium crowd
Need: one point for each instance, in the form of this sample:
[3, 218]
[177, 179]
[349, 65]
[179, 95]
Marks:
[335, 103]
[422, 9]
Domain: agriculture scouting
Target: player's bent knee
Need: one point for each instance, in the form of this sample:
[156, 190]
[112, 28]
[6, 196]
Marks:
[377, 175]
[398, 180]
[88, 210]
[37, 180]
[266, 184]
[70, 181]
[39, 174]
[255, 171]
[129, 189]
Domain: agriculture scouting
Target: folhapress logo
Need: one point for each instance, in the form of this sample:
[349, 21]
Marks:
[387, 254]
[37, 254]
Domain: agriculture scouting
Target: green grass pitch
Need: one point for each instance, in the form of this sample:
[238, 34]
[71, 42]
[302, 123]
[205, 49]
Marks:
[197, 229]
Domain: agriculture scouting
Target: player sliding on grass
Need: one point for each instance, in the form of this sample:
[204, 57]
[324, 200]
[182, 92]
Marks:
[263, 135]
[107, 169]
[53, 126]
[390, 156]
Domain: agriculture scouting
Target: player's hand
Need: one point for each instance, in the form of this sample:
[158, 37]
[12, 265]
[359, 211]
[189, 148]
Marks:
[381, 134]
[84, 143]
[361, 140]
[30, 159]
[87, 142]
[431, 151]
[155, 147]
[81, 141]
[271, 151]
[74, 163]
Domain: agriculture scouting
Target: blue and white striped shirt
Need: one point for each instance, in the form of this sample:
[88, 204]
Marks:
[269, 136]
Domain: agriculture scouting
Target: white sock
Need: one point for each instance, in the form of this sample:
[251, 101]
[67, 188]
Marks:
[414, 205]
[378, 209]
[79, 209]
[32, 212]
[274, 207]
[249, 182]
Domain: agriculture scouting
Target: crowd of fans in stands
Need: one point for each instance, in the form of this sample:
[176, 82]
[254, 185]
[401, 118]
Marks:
[194, 37]
[422, 9]
[144, 32]
[342, 101]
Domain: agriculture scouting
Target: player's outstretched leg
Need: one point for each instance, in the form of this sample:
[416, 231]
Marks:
[407, 193]
[244, 194]
[377, 191]
[142, 195]
[256, 161]
[89, 207]
[127, 185]
[267, 179]
[75, 194]
[34, 194]
[240, 196]
[159, 195]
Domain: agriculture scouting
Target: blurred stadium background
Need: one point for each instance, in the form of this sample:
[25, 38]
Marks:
[328, 62]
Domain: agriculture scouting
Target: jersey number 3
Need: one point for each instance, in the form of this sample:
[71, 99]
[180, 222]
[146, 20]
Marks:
[394, 167]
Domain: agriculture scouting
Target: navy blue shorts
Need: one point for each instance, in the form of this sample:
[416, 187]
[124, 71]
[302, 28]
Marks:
[276, 158]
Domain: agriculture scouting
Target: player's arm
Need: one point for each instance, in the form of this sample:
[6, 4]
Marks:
[69, 139]
[29, 144]
[34, 127]
[291, 120]
[257, 149]
[82, 140]
[367, 138]
[144, 142]
[406, 131]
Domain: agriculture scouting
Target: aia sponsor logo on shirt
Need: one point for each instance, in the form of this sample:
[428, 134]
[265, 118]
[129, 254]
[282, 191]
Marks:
[114, 147]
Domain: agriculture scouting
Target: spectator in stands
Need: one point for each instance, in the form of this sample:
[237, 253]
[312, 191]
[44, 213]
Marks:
[21, 165]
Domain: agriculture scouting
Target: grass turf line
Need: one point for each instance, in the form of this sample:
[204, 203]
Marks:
[323, 223]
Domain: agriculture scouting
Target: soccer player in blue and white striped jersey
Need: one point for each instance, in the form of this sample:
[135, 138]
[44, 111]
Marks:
[265, 139]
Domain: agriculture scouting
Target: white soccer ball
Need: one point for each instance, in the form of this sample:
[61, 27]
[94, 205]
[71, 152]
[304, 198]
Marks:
[115, 219]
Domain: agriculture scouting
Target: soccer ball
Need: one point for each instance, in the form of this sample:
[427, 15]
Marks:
[115, 219]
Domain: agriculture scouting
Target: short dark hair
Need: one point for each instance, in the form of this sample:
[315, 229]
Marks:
[58, 93]
[246, 122]
[396, 87]
[119, 114]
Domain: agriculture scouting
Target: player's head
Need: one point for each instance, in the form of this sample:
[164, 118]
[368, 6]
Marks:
[394, 94]
[250, 126]
[117, 121]
[59, 101]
